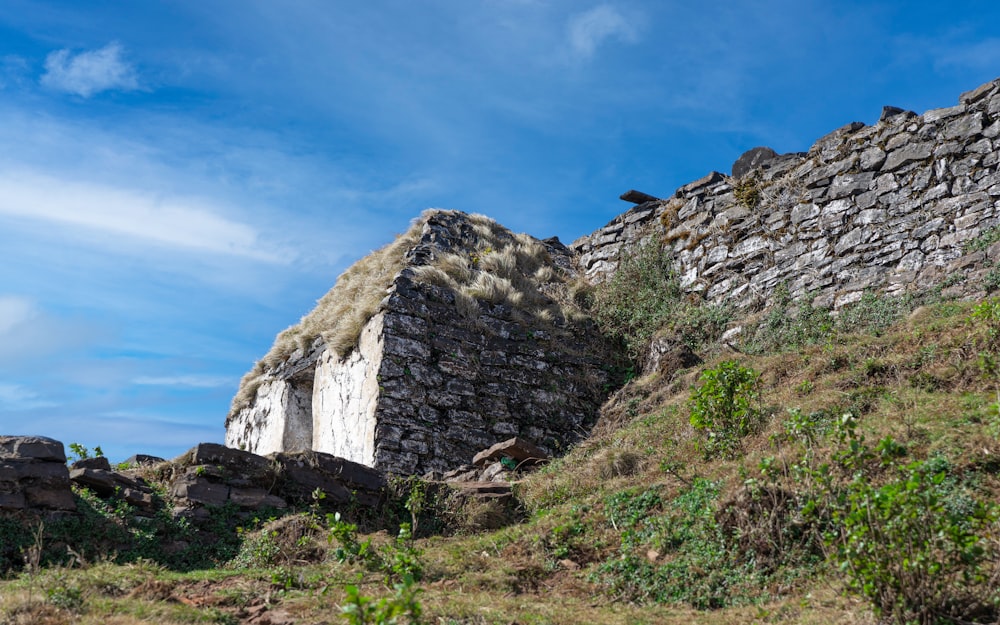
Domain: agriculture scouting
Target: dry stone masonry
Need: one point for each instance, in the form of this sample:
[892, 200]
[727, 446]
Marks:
[33, 475]
[434, 378]
[893, 207]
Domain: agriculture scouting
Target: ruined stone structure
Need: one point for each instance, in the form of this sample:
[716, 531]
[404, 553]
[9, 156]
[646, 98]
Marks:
[893, 207]
[908, 204]
[438, 374]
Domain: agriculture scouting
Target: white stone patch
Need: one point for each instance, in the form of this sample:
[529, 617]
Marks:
[345, 395]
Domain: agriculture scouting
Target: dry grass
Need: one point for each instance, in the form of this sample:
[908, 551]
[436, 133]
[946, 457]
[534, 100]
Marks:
[487, 263]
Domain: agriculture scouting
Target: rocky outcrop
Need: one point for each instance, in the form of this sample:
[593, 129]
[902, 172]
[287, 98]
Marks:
[212, 475]
[474, 341]
[33, 475]
[895, 207]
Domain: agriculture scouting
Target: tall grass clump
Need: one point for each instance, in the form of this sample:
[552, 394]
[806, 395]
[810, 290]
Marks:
[339, 315]
[644, 298]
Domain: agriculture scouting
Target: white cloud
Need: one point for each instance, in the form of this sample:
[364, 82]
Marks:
[14, 311]
[170, 221]
[189, 381]
[590, 29]
[90, 72]
[978, 55]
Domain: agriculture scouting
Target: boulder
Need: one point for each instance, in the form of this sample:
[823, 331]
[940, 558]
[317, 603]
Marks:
[517, 449]
[752, 159]
[31, 448]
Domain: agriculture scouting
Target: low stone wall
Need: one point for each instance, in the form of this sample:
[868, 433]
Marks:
[891, 207]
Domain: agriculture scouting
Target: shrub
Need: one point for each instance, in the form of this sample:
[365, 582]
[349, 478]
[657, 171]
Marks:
[915, 548]
[726, 407]
[639, 297]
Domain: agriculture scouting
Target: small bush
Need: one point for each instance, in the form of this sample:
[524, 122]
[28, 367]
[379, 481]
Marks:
[726, 408]
[917, 551]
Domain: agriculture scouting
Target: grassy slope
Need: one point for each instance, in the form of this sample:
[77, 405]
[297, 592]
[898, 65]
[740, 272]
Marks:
[921, 381]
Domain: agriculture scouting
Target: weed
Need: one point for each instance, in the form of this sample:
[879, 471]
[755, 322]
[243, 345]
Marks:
[358, 609]
[985, 239]
[911, 553]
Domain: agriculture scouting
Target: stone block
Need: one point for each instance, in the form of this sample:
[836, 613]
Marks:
[909, 153]
[143, 459]
[12, 500]
[100, 481]
[99, 462]
[518, 449]
[49, 497]
[198, 490]
[256, 498]
[31, 448]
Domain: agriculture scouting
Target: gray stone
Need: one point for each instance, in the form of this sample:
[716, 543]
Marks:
[518, 449]
[908, 154]
[98, 480]
[31, 447]
[752, 159]
[198, 490]
[143, 459]
[100, 462]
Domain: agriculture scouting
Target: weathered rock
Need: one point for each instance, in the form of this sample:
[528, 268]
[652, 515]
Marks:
[99, 462]
[638, 197]
[752, 159]
[143, 459]
[98, 480]
[31, 448]
[33, 474]
[517, 449]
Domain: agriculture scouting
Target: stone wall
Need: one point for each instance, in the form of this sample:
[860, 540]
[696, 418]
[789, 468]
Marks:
[451, 386]
[433, 380]
[891, 207]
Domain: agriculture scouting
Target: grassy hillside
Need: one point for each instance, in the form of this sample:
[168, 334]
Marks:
[834, 468]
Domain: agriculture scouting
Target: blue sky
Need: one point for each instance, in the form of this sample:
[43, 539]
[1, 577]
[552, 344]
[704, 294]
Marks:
[179, 181]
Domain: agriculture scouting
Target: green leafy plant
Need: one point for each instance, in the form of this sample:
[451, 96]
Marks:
[346, 534]
[912, 554]
[358, 609]
[639, 298]
[81, 453]
[726, 408]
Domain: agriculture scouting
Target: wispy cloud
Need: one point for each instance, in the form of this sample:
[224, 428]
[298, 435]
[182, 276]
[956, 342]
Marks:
[14, 398]
[590, 29]
[14, 311]
[976, 55]
[178, 222]
[185, 381]
[13, 70]
[88, 73]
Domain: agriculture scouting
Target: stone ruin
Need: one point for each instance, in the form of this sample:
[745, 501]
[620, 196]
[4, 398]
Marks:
[34, 477]
[474, 340]
[895, 208]
[463, 334]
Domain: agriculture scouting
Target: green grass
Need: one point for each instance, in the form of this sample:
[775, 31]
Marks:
[636, 524]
